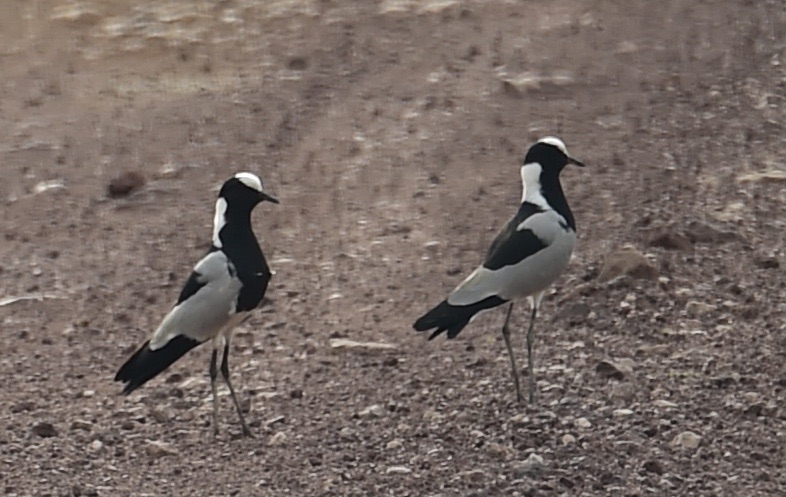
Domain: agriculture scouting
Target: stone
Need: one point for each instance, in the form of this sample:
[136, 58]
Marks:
[568, 439]
[670, 240]
[157, 449]
[652, 466]
[79, 424]
[394, 444]
[125, 183]
[44, 430]
[278, 438]
[583, 423]
[699, 232]
[687, 440]
[616, 370]
[531, 465]
[695, 309]
[398, 470]
[343, 343]
[374, 411]
[627, 262]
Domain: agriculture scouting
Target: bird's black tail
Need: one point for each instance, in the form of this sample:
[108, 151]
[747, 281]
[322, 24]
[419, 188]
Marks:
[145, 364]
[453, 318]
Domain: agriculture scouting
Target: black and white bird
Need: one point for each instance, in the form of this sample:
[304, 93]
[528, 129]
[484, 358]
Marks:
[524, 259]
[225, 286]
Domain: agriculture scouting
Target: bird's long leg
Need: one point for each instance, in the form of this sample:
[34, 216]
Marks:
[213, 376]
[530, 365]
[225, 374]
[514, 370]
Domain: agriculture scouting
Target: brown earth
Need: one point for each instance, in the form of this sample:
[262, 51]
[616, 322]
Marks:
[392, 132]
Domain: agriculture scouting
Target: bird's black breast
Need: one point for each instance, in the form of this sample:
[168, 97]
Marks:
[251, 269]
[253, 290]
[245, 257]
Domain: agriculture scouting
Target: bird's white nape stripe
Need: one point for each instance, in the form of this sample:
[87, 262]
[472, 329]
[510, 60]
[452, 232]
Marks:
[556, 142]
[251, 180]
[530, 184]
[219, 220]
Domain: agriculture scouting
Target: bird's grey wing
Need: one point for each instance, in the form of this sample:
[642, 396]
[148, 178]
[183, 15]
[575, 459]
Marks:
[523, 259]
[206, 302]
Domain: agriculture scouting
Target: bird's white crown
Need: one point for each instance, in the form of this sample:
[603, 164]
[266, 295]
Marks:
[556, 142]
[251, 180]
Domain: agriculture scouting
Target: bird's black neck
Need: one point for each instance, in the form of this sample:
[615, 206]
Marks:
[551, 189]
[239, 243]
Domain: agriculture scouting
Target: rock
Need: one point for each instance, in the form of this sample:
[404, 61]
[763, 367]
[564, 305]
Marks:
[773, 175]
[473, 475]
[52, 184]
[500, 451]
[568, 439]
[670, 240]
[627, 262]
[519, 84]
[686, 440]
[95, 446]
[274, 420]
[619, 413]
[161, 414]
[652, 466]
[394, 444]
[23, 406]
[343, 343]
[704, 233]
[578, 311]
[519, 420]
[433, 416]
[375, 411]
[125, 183]
[624, 390]
[44, 430]
[79, 424]
[767, 262]
[583, 423]
[616, 370]
[530, 466]
[695, 309]
[278, 438]
[155, 448]
[398, 470]
[664, 404]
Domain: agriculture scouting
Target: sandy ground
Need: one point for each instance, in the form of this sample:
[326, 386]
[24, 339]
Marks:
[392, 132]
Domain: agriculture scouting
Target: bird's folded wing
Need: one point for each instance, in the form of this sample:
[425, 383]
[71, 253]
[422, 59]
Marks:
[506, 272]
[206, 303]
[531, 230]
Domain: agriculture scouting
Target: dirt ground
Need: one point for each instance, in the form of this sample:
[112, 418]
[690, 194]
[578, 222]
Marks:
[392, 132]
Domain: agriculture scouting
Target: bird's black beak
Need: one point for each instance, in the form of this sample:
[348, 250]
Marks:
[571, 160]
[264, 197]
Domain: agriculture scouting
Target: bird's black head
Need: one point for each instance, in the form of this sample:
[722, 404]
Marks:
[551, 154]
[244, 190]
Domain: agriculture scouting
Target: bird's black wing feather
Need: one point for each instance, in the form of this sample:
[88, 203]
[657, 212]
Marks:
[193, 283]
[191, 287]
[511, 245]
